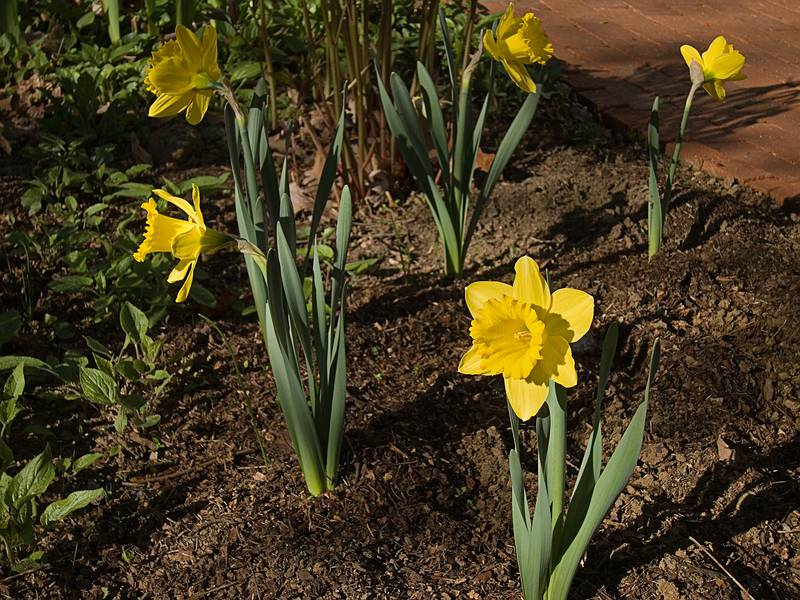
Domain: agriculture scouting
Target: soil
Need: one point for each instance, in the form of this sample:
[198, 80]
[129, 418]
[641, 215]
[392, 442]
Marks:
[423, 507]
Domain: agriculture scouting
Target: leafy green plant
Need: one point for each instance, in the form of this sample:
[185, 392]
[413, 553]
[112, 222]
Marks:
[20, 505]
[551, 543]
[21, 494]
[456, 148]
[122, 380]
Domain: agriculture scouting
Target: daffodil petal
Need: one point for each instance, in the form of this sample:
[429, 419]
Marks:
[196, 202]
[179, 203]
[727, 66]
[525, 397]
[188, 245]
[171, 77]
[183, 293]
[690, 54]
[576, 308]
[169, 106]
[490, 45]
[566, 375]
[190, 45]
[715, 49]
[479, 292]
[529, 284]
[471, 363]
[197, 109]
[180, 270]
[209, 48]
[508, 24]
[520, 76]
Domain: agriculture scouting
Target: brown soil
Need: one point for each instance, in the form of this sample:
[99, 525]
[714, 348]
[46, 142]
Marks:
[423, 507]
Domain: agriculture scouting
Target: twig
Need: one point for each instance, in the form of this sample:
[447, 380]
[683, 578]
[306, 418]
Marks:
[28, 572]
[143, 481]
[705, 551]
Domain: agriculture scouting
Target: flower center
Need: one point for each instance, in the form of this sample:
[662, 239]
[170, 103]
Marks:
[508, 336]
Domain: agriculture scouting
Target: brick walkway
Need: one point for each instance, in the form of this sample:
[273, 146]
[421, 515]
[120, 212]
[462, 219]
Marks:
[619, 54]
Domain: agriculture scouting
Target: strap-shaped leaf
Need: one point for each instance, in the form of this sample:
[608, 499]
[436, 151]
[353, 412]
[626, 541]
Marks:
[609, 485]
[293, 292]
[338, 387]
[540, 542]
[436, 122]
[287, 222]
[294, 406]
[327, 177]
[592, 458]
[556, 454]
[269, 180]
[655, 218]
[520, 516]
[410, 120]
[452, 68]
[344, 225]
[320, 335]
[507, 146]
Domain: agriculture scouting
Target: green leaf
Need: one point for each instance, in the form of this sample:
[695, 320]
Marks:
[75, 501]
[435, 121]
[97, 347]
[202, 295]
[98, 386]
[32, 480]
[133, 322]
[655, 218]
[10, 362]
[512, 138]
[70, 283]
[85, 461]
[15, 384]
[611, 482]
[245, 70]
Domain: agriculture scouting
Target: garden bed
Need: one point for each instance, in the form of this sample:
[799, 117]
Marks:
[423, 507]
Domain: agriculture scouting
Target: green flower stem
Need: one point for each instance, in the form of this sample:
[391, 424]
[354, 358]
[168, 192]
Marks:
[556, 456]
[9, 19]
[677, 151]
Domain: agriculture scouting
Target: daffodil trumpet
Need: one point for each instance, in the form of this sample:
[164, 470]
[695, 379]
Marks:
[523, 333]
[447, 185]
[710, 70]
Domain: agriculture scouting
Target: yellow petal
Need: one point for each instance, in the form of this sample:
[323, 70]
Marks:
[197, 109]
[171, 76]
[190, 46]
[727, 66]
[187, 285]
[196, 202]
[169, 106]
[479, 292]
[715, 49]
[690, 54]
[188, 244]
[471, 363]
[209, 61]
[715, 89]
[491, 45]
[526, 397]
[529, 285]
[508, 24]
[520, 76]
[566, 375]
[178, 202]
[180, 271]
[576, 308]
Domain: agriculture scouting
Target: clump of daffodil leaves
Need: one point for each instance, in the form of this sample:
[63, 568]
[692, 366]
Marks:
[711, 70]
[524, 332]
[516, 44]
[306, 351]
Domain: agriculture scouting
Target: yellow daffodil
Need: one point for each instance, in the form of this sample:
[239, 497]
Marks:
[183, 73]
[719, 64]
[524, 332]
[185, 240]
[519, 42]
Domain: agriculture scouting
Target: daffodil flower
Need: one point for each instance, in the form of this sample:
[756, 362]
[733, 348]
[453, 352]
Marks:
[519, 42]
[523, 332]
[719, 64]
[183, 74]
[185, 240]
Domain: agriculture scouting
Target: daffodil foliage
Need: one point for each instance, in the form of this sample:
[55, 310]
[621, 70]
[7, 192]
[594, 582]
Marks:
[455, 213]
[719, 64]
